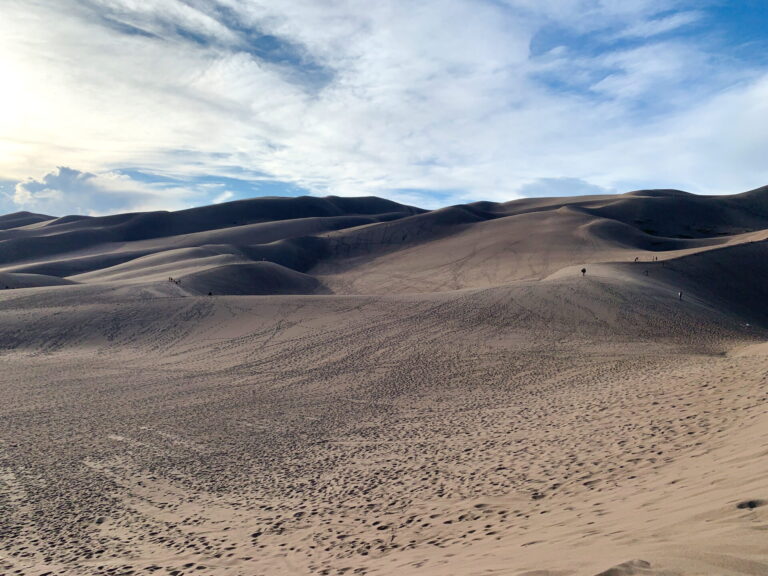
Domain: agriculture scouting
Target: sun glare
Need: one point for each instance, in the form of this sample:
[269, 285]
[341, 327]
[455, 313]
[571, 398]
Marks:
[14, 97]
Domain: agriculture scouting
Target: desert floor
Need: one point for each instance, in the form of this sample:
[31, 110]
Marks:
[542, 428]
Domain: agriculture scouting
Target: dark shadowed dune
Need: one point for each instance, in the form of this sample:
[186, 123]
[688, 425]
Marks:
[416, 229]
[11, 280]
[145, 225]
[31, 247]
[676, 214]
[731, 279]
[622, 234]
[256, 278]
[20, 219]
[300, 253]
[256, 221]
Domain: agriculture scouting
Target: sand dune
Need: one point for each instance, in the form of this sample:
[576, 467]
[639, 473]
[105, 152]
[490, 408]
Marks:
[367, 245]
[10, 280]
[160, 266]
[143, 225]
[251, 278]
[376, 389]
[21, 219]
[680, 215]
[253, 221]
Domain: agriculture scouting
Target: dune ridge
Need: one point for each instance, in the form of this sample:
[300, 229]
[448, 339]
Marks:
[368, 245]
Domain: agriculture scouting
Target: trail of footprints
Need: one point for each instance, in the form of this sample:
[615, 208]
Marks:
[331, 447]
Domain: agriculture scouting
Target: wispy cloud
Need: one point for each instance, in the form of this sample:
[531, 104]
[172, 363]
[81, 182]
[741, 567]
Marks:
[661, 25]
[436, 101]
[223, 197]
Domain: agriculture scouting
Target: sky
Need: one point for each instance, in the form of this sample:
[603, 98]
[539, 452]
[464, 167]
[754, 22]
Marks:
[112, 106]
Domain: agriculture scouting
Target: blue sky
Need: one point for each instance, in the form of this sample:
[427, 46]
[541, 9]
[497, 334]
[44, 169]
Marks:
[116, 105]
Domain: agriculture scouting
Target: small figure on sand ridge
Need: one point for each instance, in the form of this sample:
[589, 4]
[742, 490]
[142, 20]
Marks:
[583, 271]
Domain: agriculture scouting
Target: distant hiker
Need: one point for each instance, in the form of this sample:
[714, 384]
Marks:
[636, 258]
[680, 295]
[210, 293]
[583, 271]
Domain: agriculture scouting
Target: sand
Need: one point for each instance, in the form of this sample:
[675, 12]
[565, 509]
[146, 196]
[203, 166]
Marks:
[437, 393]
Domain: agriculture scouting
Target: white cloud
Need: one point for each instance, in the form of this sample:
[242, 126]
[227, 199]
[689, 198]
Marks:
[67, 191]
[715, 147]
[223, 197]
[391, 98]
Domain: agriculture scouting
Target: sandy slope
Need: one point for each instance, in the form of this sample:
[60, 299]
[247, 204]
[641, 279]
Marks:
[472, 405]
[370, 246]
